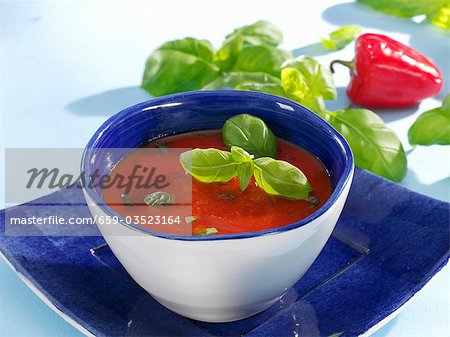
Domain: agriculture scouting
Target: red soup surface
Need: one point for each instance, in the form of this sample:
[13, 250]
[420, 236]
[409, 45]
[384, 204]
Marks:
[223, 205]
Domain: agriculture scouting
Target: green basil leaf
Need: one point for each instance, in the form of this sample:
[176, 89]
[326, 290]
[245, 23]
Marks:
[315, 104]
[313, 79]
[240, 155]
[341, 37]
[261, 59]
[190, 219]
[281, 178]
[375, 147]
[209, 165]
[294, 84]
[245, 167]
[251, 134]
[296, 88]
[432, 127]
[441, 18]
[405, 8]
[259, 33]
[180, 65]
[233, 79]
[245, 173]
[205, 231]
[225, 57]
[269, 88]
[159, 198]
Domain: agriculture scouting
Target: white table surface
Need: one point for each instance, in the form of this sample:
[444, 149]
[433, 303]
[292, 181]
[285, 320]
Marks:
[66, 67]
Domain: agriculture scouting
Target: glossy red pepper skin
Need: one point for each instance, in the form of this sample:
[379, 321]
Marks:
[389, 74]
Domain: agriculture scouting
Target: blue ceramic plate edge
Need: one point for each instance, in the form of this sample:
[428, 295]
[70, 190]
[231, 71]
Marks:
[377, 326]
[28, 281]
[374, 328]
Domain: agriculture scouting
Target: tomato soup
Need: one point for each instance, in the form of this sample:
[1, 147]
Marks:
[223, 206]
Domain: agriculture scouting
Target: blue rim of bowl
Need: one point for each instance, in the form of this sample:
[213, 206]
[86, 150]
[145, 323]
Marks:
[343, 181]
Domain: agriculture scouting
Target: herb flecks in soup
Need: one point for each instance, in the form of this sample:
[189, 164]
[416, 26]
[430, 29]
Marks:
[226, 207]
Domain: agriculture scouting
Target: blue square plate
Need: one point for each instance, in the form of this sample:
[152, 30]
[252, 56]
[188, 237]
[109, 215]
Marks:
[388, 243]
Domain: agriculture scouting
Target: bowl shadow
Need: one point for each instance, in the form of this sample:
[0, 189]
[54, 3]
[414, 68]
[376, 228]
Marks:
[312, 50]
[109, 102]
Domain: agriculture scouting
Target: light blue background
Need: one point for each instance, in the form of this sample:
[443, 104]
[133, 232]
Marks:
[66, 67]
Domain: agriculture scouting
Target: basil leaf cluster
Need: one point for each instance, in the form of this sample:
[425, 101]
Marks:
[275, 177]
[192, 64]
[252, 150]
[249, 59]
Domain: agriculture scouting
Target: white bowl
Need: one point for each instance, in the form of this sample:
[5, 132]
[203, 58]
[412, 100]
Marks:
[220, 278]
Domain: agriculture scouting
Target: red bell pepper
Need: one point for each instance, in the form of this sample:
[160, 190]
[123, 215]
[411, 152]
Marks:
[386, 73]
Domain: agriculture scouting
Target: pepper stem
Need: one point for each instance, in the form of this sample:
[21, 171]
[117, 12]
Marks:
[348, 64]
